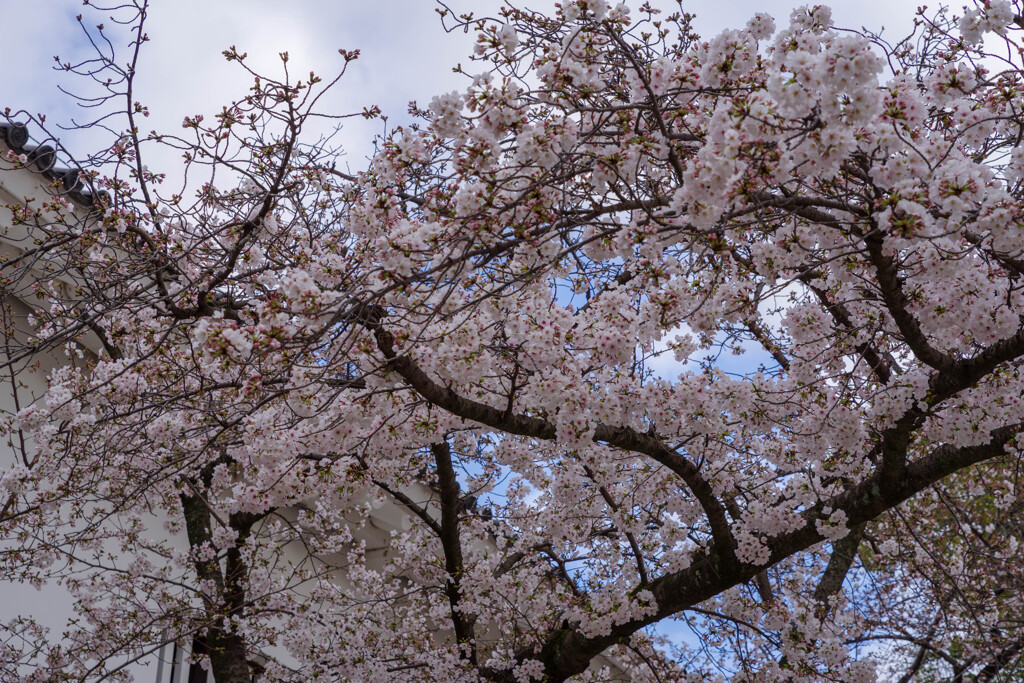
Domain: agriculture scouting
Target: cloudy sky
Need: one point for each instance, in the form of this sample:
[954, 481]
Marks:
[406, 55]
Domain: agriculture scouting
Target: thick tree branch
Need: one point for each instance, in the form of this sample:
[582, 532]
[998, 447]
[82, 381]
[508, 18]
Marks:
[568, 652]
[844, 552]
[891, 288]
[454, 564]
[524, 425]
[225, 648]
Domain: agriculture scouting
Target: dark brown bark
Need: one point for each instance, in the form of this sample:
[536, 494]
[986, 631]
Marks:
[451, 543]
[524, 425]
[226, 649]
[844, 552]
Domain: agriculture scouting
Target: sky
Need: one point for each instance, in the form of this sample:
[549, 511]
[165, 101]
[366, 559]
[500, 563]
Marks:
[406, 54]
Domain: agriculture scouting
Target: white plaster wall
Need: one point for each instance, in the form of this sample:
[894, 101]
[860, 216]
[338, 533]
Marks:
[24, 383]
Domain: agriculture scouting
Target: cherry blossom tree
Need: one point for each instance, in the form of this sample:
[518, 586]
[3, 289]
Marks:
[522, 326]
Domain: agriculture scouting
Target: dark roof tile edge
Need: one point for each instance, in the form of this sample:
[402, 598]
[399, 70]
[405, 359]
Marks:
[43, 159]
